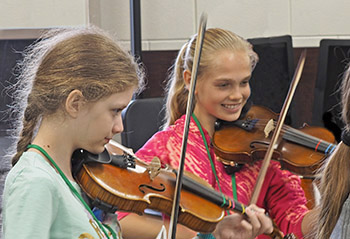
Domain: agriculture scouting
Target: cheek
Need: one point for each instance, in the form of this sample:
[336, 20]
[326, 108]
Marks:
[246, 92]
[103, 122]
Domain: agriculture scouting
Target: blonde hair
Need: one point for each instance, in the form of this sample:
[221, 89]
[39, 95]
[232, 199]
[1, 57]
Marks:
[215, 40]
[86, 59]
[334, 183]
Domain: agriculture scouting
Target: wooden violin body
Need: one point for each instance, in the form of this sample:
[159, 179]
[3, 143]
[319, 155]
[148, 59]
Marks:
[131, 187]
[134, 190]
[299, 151]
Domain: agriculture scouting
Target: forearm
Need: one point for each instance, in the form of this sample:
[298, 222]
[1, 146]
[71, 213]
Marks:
[148, 227]
[307, 225]
[135, 226]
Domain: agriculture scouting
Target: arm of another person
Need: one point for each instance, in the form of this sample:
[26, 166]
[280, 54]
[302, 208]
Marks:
[286, 200]
[235, 226]
[148, 227]
[249, 226]
[308, 222]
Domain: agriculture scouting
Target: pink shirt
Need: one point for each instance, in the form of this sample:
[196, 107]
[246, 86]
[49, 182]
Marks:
[281, 194]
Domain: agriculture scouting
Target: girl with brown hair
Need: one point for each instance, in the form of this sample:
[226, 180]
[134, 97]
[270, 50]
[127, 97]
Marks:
[333, 219]
[73, 85]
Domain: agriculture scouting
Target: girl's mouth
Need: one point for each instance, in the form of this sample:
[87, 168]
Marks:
[231, 106]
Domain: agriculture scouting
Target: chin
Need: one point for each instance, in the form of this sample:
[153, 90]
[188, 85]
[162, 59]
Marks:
[100, 150]
[231, 117]
[96, 149]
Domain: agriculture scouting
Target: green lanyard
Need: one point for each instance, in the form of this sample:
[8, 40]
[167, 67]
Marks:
[72, 188]
[233, 178]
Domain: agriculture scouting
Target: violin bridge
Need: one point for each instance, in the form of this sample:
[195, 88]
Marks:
[269, 127]
[154, 168]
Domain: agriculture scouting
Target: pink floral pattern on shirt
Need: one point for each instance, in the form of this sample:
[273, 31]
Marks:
[281, 194]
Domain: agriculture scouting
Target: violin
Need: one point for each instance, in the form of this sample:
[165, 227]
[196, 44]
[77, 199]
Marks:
[115, 181]
[246, 140]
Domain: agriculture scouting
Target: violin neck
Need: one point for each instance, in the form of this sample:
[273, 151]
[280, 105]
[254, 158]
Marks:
[301, 138]
[211, 195]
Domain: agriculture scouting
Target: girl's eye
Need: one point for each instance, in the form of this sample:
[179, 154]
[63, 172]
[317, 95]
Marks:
[117, 111]
[222, 85]
[245, 82]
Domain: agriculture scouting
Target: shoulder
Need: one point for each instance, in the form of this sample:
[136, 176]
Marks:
[162, 143]
[343, 223]
[31, 172]
[169, 133]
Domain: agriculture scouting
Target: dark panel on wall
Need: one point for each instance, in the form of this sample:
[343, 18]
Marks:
[10, 53]
[273, 74]
[303, 97]
[333, 60]
[157, 64]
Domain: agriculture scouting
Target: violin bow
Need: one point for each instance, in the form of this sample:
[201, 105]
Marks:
[189, 110]
[276, 133]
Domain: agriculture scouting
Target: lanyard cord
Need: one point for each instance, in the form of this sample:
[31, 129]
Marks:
[234, 191]
[72, 188]
[207, 148]
[234, 187]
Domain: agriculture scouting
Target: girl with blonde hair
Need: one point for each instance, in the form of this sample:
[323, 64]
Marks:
[222, 91]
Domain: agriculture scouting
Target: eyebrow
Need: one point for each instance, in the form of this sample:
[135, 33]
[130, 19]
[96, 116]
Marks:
[229, 79]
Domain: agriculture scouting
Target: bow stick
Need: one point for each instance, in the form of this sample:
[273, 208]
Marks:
[278, 128]
[189, 110]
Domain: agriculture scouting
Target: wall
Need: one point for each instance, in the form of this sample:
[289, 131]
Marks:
[166, 24]
[42, 13]
[25, 19]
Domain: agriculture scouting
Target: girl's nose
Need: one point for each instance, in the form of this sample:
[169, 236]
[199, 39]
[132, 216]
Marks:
[235, 94]
[118, 125]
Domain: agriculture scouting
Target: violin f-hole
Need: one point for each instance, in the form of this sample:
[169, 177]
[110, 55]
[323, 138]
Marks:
[258, 142]
[160, 189]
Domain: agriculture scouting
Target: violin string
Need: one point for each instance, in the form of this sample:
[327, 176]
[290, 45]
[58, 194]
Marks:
[321, 144]
[297, 134]
[307, 140]
[299, 137]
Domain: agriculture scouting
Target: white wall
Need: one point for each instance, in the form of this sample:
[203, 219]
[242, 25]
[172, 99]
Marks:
[167, 24]
[25, 18]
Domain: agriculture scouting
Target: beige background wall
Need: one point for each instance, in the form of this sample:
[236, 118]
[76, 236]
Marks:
[17, 14]
[166, 24]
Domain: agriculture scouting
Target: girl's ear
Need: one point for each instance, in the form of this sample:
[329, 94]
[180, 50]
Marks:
[187, 78]
[74, 103]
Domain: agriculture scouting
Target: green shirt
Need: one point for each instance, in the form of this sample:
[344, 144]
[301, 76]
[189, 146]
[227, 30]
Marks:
[38, 204]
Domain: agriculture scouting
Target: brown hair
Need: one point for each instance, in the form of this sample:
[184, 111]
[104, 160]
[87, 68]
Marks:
[215, 40]
[335, 183]
[86, 59]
